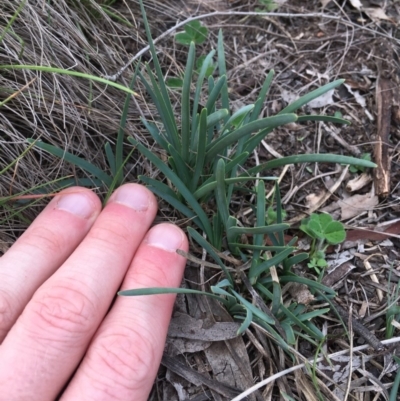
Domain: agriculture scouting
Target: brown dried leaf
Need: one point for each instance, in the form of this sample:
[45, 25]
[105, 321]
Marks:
[357, 204]
[376, 14]
[184, 326]
[301, 294]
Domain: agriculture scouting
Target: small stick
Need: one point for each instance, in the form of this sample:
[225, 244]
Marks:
[381, 151]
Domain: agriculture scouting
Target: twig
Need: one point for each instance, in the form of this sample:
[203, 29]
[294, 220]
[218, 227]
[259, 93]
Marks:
[381, 151]
[350, 325]
[240, 13]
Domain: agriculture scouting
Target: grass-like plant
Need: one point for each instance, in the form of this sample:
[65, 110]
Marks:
[207, 151]
[207, 148]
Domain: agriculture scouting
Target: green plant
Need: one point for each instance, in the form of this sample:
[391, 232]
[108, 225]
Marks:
[197, 33]
[267, 6]
[324, 231]
[358, 168]
[194, 32]
[393, 310]
[207, 148]
[206, 154]
[114, 158]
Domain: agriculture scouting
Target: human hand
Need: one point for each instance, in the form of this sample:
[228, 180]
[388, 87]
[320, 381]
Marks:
[59, 328]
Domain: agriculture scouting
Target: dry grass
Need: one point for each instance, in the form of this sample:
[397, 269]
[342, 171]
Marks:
[81, 116]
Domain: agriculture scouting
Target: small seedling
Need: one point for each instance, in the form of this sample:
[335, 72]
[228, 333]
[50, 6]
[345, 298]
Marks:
[272, 215]
[324, 231]
[194, 31]
[267, 6]
[355, 168]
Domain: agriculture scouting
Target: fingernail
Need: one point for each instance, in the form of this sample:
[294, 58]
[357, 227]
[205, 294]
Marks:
[76, 203]
[165, 236]
[132, 195]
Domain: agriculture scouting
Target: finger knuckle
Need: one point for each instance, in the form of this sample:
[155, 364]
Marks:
[110, 234]
[48, 239]
[62, 309]
[128, 355]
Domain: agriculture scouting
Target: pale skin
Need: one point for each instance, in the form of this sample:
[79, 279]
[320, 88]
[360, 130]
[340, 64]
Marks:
[61, 332]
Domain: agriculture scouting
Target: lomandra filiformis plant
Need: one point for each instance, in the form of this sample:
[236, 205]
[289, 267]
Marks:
[207, 149]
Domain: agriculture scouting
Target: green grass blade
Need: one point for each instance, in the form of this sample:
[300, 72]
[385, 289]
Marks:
[260, 213]
[200, 151]
[75, 160]
[328, 119]
[218, 231]
[166, 290]
[261, 248]
[276, 297]
[246, 323]
[222, 71]
[110, 158]
[187, 195]
[273, 228]
[207, 188]
[295, 260]
[225, 141]
[220, 192]
[182, 170]
[61, 71]
[312, 158]
[275, 260]
[237, 118]
[185, 104]
[260, 222]
[119, 147]
[317, 335]
[309, 283]
[281, 342]
[311, 315]
[155, 133]
[196, 99]
[311, 96]
[232, 238]
[210, 250]
[215, 92]
[160, 76]
[394, 392]
[172, 200]
[12, 19]
[159, 186]
[257, 312]
[116, 180]
[259, 104]
[216, 117]
[163, 109]
[212, 120]
[278, 202]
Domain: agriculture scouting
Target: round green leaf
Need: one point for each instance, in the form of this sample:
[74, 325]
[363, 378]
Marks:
[183, 38]
[335, 233]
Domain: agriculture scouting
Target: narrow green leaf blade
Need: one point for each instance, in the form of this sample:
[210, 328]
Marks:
[75, 160]
[185, 104]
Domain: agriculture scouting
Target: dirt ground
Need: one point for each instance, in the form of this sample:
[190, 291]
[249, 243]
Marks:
[203, 359]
